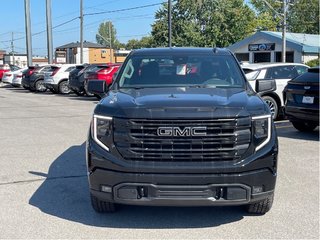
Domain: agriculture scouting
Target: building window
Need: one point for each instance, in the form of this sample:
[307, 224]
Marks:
[289, 57]
[262, 57]
[242, 57]
[103, 53]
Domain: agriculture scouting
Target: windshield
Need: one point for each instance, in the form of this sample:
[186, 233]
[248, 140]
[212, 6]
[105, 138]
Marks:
[181, 71]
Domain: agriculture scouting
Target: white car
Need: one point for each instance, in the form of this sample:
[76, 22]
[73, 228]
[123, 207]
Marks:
[17, 78]
[8, 76]
[56, 80]
[281, 73]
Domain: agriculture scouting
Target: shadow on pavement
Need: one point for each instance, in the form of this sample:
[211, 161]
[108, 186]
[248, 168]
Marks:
[286, 129]
[65, 194]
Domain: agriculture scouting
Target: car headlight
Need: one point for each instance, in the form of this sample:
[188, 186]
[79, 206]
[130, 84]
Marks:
[261, 130]
[101, 130]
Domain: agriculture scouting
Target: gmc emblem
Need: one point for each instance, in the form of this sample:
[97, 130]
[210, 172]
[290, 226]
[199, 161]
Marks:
[185, 132]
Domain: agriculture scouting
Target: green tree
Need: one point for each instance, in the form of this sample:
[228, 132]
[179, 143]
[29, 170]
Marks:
[302, 15]
[204, 23]
[106, 34]
[145, 42]
[133, 44]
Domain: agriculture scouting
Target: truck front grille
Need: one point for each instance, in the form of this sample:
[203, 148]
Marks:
[225, 140]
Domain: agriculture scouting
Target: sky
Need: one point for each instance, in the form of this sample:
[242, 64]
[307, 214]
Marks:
[129, 24]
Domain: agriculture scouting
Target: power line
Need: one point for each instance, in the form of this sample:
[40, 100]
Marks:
[123, 9]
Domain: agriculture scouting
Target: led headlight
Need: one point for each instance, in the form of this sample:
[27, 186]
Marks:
[101, 130]
[261, 130]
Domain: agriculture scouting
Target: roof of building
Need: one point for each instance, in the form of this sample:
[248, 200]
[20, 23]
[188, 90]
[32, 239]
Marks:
[308, 43]
[85, 45]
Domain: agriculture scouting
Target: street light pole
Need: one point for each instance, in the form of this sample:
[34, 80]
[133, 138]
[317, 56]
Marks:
[49, 31]
[81, 31]
[28, 31]
[284, 29]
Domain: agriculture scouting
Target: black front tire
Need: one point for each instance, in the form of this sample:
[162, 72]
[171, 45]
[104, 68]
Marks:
[102, 206]
[261, 207]
[273, 105]
[304, 126]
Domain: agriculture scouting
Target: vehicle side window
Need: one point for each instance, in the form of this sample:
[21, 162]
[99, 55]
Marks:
[46, 69]
[69, 69]
[282, 72]
[301, 69]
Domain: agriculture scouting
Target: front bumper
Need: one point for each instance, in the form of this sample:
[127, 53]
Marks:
[182, 189]
[113, 179]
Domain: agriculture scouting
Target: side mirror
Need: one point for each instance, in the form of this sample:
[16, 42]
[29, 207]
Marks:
[265, 85]
[97, 88]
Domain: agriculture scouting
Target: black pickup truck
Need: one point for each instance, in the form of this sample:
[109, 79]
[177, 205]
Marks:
[181, 127]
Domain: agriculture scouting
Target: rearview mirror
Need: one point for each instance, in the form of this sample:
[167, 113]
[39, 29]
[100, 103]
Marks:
[265, 85]
[97, 88]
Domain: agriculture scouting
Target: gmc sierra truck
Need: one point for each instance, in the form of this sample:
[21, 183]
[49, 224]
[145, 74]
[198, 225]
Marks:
[181, 127]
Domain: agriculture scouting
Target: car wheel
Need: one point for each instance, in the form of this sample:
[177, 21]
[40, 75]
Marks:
[102, 206]
[261, 207]
[273, 105]
[304, 126]
[64, 87]
[40, 86]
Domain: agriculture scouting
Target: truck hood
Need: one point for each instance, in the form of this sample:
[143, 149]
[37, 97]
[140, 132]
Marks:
[181, 102]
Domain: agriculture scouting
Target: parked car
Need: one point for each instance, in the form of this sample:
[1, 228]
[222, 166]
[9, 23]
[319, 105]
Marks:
[75, 83]
[6, 68]
[36, 79]
[17, 78]
[103, 72]
[181, 127]
[25, 82]
[301, 97]
[56, 80]
[8, 76]
[281, 73]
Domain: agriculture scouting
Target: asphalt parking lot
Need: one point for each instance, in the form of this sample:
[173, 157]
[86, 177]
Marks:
[44, 189]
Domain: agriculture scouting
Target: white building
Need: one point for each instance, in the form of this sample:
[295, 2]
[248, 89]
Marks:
[266, 46]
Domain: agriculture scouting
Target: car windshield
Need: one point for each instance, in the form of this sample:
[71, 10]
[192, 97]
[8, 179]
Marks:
[181, 71]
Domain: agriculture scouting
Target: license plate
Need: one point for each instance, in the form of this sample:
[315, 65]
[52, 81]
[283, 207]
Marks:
[308, 100]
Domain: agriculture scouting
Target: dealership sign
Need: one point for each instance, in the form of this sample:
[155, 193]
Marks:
[61, 57]
[261, 47]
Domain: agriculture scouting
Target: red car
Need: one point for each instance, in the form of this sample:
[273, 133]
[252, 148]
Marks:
[6, 68]
[101, 72]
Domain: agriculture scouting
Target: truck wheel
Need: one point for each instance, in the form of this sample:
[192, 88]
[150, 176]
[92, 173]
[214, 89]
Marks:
[102, 206]
[64, 87]
[40, 86]
[273, 105]
[262, 206]
[304, 126]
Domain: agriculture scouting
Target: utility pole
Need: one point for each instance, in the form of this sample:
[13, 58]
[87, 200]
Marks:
[81, 31]
[284, 29]
[110, 41]
[28, 31]
[169, 23]
[49, 32]
[12, 48]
